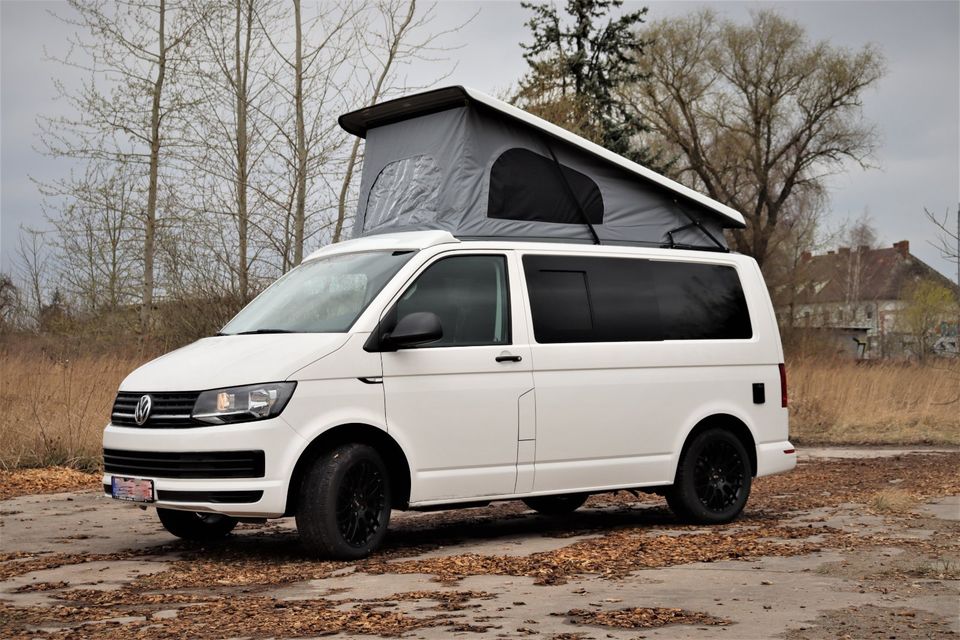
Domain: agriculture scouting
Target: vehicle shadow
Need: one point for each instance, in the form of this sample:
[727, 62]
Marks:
[414, 533]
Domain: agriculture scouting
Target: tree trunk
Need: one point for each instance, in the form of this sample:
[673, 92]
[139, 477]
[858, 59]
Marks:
[241, 133]
[150, 224]
[299, 215]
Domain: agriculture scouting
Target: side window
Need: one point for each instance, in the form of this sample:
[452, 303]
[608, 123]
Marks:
[579, 299]
[404, 193]
[561, 306]
[700, 301]
[584, 299]
[470, 295]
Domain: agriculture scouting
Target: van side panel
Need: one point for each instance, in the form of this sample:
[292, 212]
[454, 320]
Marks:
[617, 413]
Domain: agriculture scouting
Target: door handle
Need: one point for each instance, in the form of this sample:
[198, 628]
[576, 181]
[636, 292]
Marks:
[508, 358]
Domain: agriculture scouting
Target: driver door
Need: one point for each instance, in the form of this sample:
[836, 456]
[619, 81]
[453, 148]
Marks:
[454, 402]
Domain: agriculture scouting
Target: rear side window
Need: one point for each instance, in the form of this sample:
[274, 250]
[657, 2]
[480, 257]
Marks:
[700, 301]
[584, 299]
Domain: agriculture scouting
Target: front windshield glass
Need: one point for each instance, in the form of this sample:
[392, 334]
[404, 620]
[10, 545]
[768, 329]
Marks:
[325, 295]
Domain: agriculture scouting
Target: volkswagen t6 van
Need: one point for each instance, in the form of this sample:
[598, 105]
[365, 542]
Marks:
[415, 370]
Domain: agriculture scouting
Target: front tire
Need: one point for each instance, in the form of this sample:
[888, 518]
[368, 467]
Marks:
[556, 505]
[344, 503]
[196, 526]
[713, 479]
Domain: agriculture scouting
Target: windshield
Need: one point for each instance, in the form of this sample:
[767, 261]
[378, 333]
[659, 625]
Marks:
[325, 295]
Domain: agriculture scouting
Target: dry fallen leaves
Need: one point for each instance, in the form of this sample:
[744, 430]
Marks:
[215, 589]
[22, 482]
[642, 617]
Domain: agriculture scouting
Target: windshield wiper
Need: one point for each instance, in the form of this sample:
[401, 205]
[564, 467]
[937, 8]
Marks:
[257, 331]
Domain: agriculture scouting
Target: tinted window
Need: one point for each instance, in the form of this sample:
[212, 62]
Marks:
[527, 186]
[561, 305]
[580, 299]
[470, 296]
[700, 301]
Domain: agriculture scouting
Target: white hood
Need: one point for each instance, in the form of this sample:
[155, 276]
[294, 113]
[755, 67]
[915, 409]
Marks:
[226, 361]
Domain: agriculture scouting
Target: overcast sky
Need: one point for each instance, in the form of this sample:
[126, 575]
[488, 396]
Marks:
[916, 106]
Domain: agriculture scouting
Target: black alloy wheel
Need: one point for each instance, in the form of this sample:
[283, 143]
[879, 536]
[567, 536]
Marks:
[360, 503]
[713, 479]
[343, 504]
[718, 476]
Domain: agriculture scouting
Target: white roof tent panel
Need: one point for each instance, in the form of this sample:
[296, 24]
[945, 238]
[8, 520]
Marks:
[457, 160]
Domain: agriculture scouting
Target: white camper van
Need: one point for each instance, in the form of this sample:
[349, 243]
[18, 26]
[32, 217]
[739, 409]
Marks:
[447, 356]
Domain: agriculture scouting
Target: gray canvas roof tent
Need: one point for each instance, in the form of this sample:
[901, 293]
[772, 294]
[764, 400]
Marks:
[458, 160]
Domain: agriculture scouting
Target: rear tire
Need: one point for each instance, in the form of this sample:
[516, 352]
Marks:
[343, 507]
[713, 479]
[556, 505]
[196, 526]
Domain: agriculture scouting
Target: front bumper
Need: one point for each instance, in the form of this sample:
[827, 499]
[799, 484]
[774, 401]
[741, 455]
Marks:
[264, 496]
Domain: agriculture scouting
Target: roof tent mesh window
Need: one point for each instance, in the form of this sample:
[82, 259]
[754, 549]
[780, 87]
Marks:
[526, 186]
[405, 193]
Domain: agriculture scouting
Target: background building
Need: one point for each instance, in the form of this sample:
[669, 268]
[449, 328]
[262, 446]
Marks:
[858, 300]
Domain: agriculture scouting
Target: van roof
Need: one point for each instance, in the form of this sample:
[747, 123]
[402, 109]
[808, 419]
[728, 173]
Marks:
[419, 240]
[404, 240]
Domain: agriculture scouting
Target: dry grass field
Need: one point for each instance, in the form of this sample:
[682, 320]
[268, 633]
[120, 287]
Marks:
[55, 407]
[842, 402]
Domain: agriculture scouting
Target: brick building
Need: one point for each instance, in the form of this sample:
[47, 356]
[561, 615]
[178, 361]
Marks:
[854, 296]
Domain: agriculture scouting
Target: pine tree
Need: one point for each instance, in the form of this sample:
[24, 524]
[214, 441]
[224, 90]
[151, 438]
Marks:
[578, 65]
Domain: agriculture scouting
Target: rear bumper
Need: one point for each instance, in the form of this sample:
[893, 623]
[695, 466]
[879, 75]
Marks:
[775, 457]
[262, 494]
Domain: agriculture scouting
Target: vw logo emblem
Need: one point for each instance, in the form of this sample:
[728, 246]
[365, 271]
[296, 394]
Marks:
[142, 412]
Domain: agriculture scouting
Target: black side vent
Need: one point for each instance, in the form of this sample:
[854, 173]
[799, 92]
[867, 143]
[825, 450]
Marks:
[169, 410]
[194, 464]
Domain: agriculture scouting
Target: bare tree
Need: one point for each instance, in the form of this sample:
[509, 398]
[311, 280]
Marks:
[32, 270]
[397, 25]
[755, 113]
[794, 242]
[311, 84]
[399, 36]
[122, 112]
[96, 237]
[228, 142]
[9, 303]
[948, 237]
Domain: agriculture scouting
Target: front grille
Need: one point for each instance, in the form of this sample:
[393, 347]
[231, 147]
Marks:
[169, 410]
[193, 464]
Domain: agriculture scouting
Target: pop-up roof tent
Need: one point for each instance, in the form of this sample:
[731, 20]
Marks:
[458, 160]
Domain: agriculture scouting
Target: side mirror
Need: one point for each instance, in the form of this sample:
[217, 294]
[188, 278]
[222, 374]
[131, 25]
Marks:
[414, 329]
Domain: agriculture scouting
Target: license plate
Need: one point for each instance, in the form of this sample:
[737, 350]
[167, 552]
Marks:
[133, 489]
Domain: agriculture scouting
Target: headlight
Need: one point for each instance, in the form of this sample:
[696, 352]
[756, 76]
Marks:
[243, 404]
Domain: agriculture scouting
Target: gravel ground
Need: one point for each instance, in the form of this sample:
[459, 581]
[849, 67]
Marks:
[847, 546]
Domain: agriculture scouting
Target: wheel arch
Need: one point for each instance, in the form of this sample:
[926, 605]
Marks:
[730, 423]
[393, 457]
